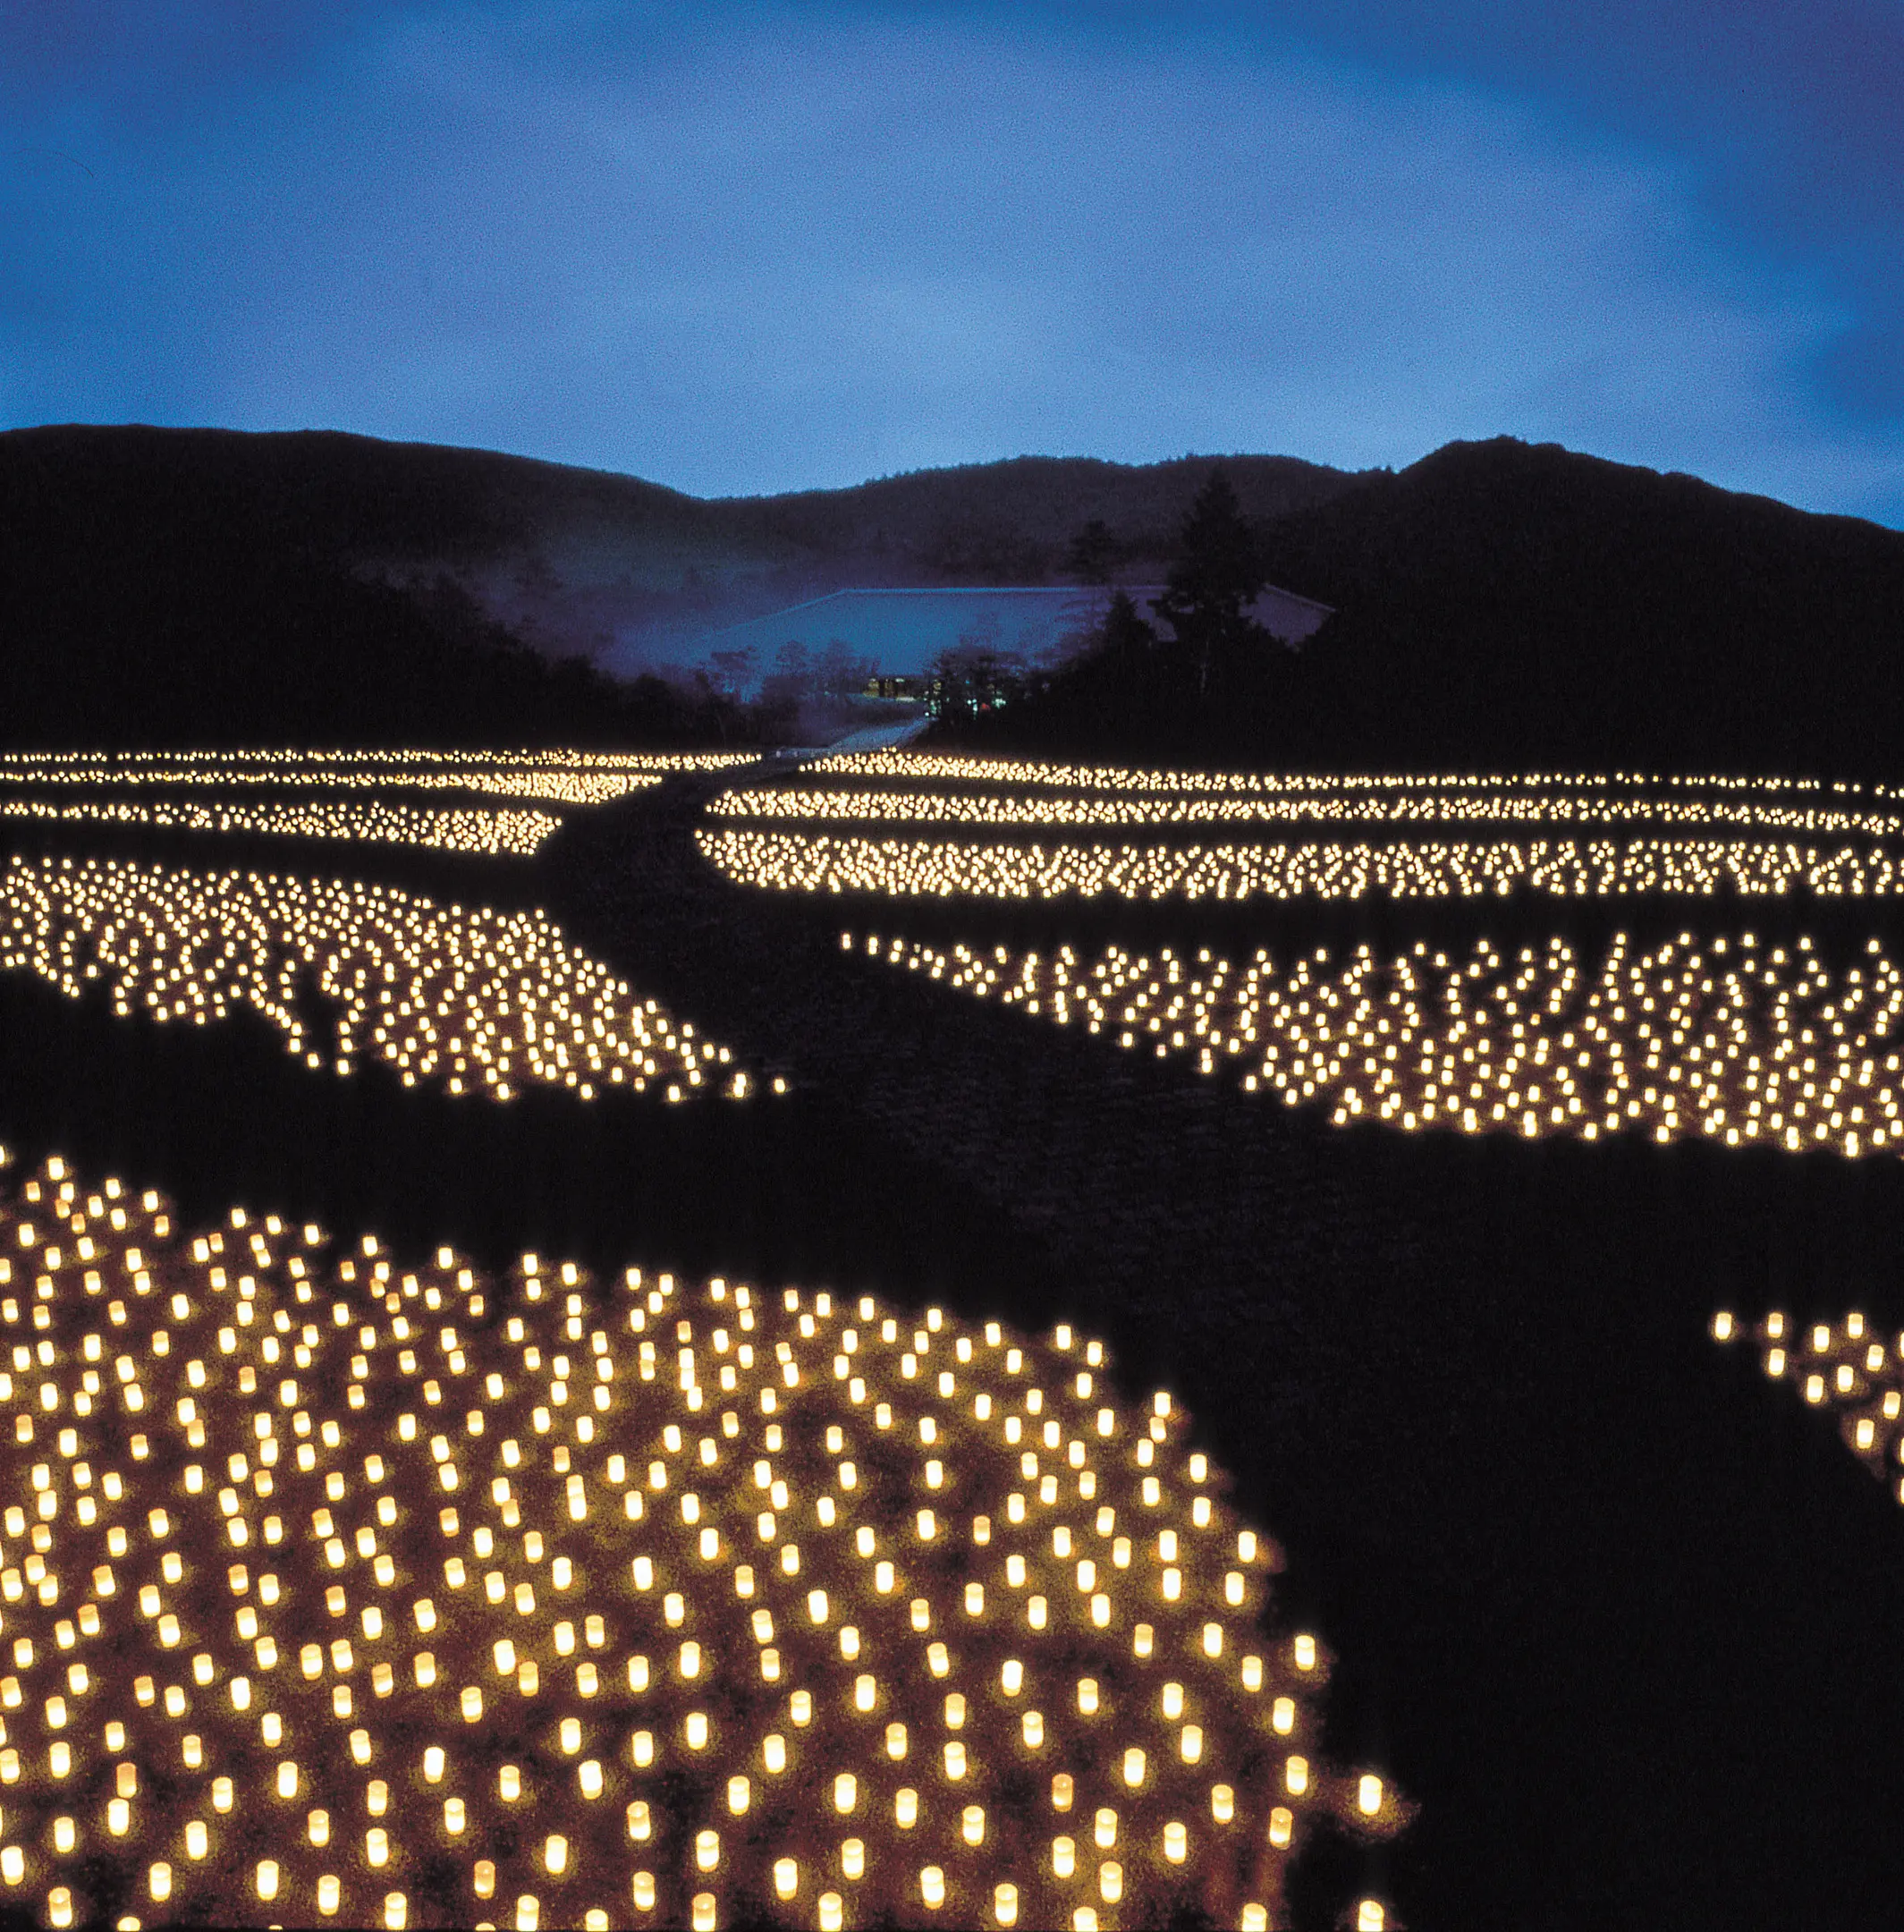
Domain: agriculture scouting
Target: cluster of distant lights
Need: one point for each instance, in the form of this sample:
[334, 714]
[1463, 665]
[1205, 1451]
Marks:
[1846, 1368]
[1728, 1041]
[1333, 869]
[492, 834]
[478, 1000]
[337, 1589]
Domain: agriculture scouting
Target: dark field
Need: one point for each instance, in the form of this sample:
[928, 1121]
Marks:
[1620, 1615]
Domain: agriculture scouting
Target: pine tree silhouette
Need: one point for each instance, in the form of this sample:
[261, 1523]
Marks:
[1218, 574]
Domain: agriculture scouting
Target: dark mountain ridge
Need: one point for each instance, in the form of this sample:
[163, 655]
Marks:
[1501, 604]
[170, 586]
[583, 562]
[1012, 521]
[1498, 604]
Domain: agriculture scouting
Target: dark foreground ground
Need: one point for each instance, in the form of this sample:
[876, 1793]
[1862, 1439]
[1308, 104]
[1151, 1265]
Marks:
[1626, 1621]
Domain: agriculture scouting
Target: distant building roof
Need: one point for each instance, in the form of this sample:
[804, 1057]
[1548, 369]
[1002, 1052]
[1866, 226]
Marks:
[1289, 619]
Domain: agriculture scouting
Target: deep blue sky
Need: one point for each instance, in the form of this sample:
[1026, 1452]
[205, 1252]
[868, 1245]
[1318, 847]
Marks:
[746, 248]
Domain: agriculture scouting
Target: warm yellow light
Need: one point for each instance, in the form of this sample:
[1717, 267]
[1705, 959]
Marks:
[505, 1544]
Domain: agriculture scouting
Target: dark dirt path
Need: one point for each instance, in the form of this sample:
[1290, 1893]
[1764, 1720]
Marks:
[1622, 1617]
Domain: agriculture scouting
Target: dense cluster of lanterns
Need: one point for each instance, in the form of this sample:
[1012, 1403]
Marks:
[337, 1590]
[1844, 1367]
[1694, 837]
[519, 834]
[1728, 1039]
[479, 1001]
[1333, 869]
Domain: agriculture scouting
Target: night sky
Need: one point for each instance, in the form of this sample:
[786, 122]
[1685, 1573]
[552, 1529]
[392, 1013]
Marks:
[745, 248]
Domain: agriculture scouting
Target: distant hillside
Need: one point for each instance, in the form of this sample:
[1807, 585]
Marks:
[1498, 604]
[573, 563]
[1502, 604]
[166, 587]
[1012, 522]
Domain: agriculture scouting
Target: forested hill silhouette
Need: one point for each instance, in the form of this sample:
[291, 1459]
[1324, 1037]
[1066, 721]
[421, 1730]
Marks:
[1501, 605]
[175, 587]
[159, 584]
[1016, 521]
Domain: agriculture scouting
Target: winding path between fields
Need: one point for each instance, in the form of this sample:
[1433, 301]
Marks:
[1605, 1602]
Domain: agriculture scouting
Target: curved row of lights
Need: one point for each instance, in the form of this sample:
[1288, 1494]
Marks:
[476, 1001]
[558, 787]
[1844, 1367]
[1335, 869]
[340, 1590]
[1726, 1040]
[813, 803]
[519, 833]
[939, 766]
[567, 778]
[286, 763]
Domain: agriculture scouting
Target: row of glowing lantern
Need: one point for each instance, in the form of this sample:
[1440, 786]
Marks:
[480, 1001]
[619, 1601]
[1436, 807]
[289, 761]
[566, 778]
[1335, 869]
[928, 766]
[1729, 1040]
[557, 786]
[518, 834]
